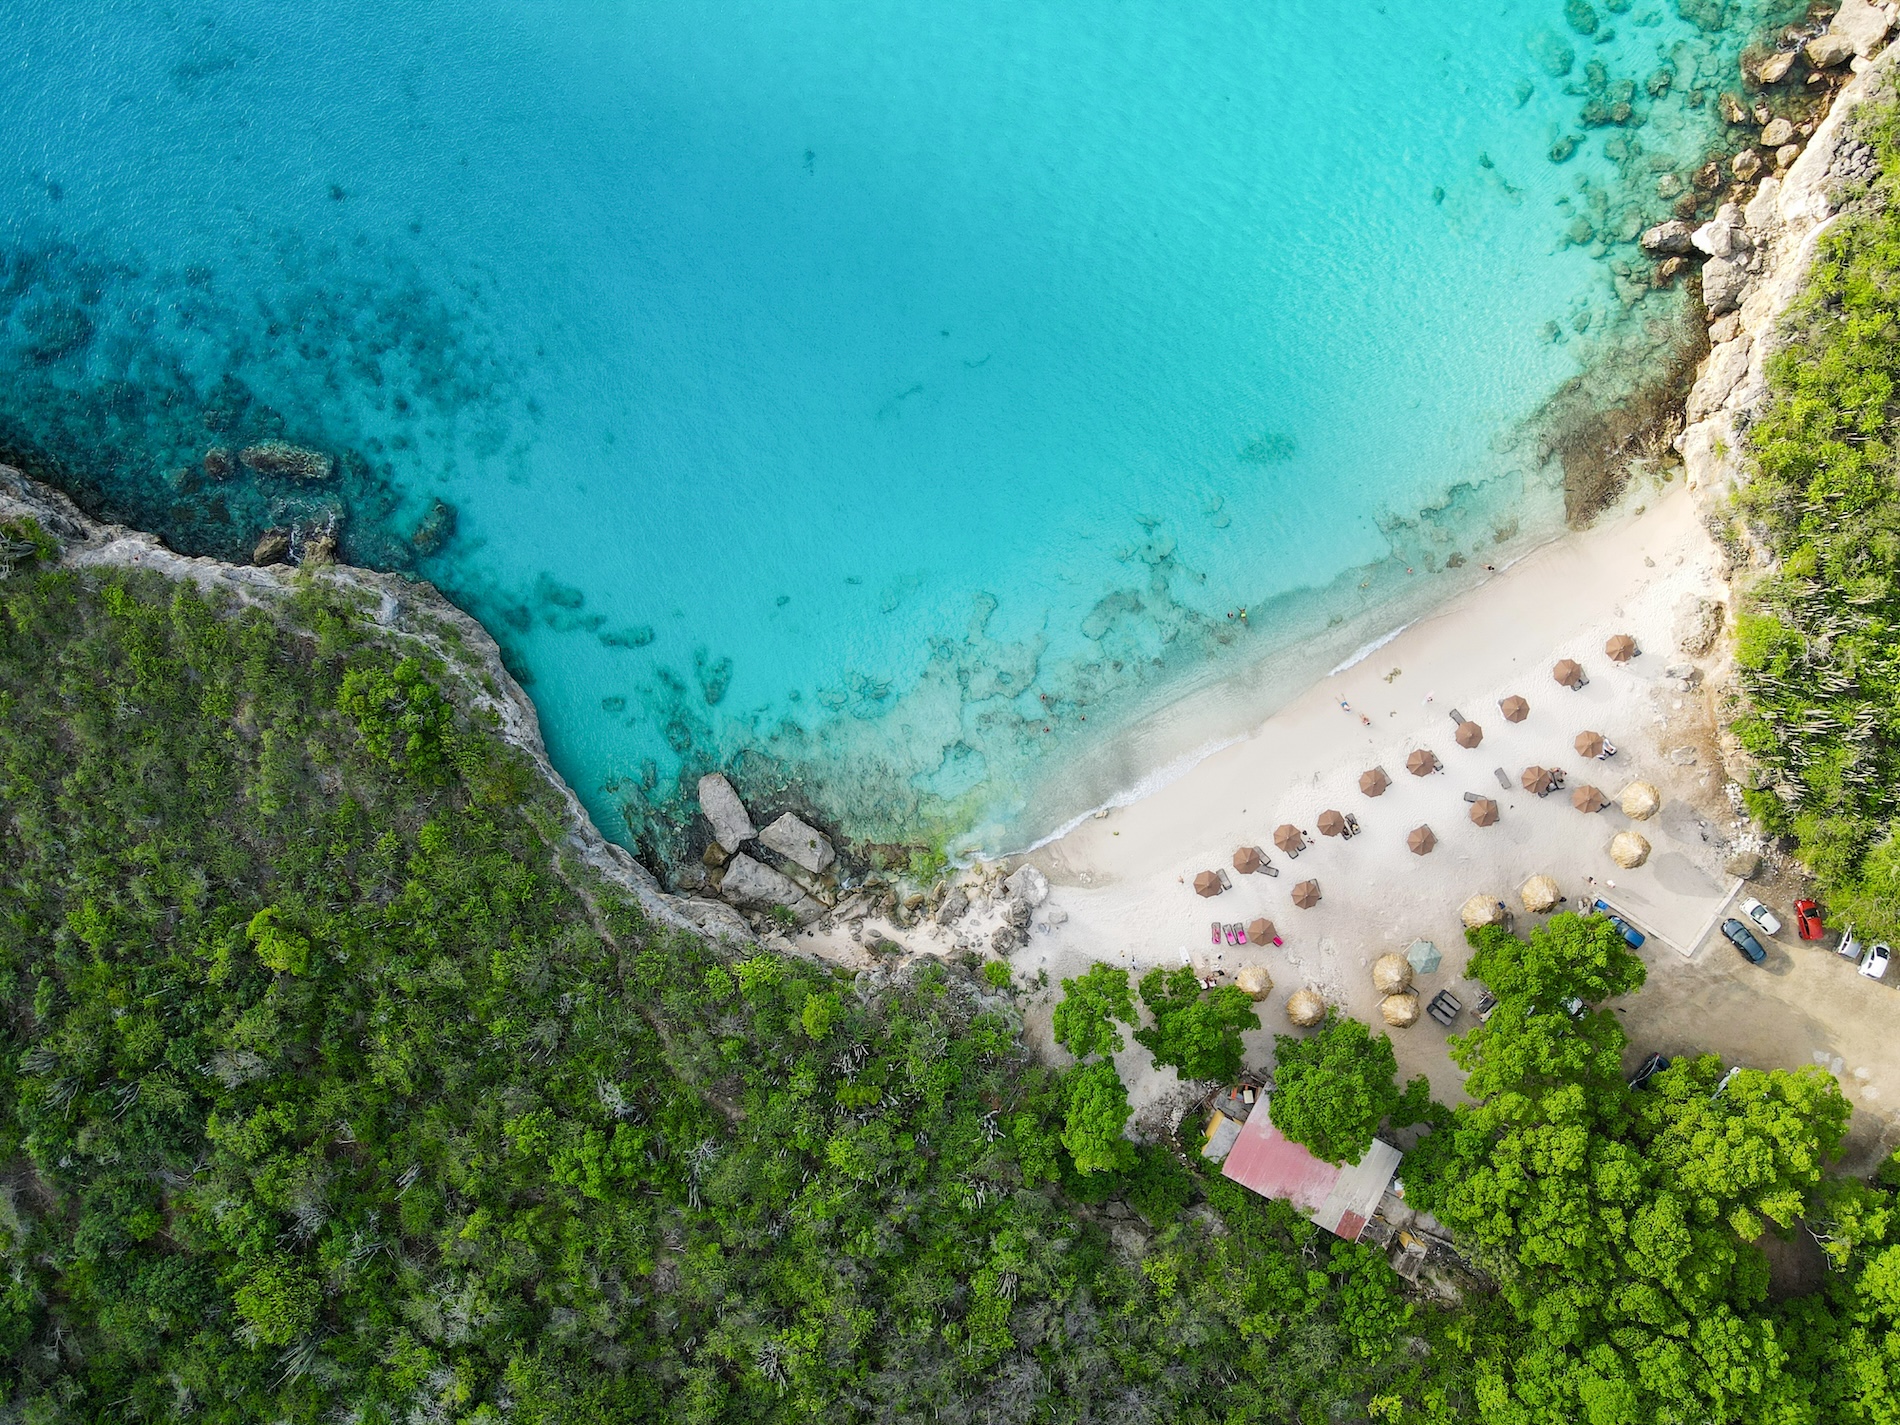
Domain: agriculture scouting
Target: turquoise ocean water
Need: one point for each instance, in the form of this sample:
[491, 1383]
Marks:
[891, 401]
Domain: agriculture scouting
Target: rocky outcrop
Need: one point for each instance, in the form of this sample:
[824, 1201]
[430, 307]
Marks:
[797, 841]
[751, 885]
[731, 823]
[1863, 25]
[1760, 255]
[1674, 236]
[273, 547]
[1028, 886]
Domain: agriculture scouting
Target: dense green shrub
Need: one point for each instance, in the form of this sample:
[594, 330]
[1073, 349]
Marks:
[1819, 642]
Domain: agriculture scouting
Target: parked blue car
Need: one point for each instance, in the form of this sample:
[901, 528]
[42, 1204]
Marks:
[1631, 935]
[1739, 936]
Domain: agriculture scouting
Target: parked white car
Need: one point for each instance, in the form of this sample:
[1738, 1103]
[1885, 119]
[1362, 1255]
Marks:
[1874, 963]
[1849, 946]
[1761, 915]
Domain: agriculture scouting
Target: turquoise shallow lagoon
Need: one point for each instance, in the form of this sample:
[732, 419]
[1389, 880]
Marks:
[895, 402]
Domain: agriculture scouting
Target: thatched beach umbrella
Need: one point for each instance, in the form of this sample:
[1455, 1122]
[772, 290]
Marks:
[1400, 1010]
[1588, 798]
[1305, 1008]
[1306, 895]
[1482, 910]
[1391, 974]
[1421, 840]
[1514, 708]
[1569, 672]
[1287, 837]
[1589, 744]
[1469, 734]
[1640, 801]
[1255, 980]
[1537, 780]
[1621, 647]
[1422, 763]
[1484, 812]
[1247, 860]
[1207, 884]
[1374, 782]
[1540, 894]
[1261, 931]
[1629, 849]
[1331, 823]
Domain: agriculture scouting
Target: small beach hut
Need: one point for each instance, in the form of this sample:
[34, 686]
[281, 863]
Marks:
[1540, 894]
[1569, 672]
[1629, 849]
[1621, 647]
[1537, 780]
[1331, 823]
[1421, 840]
[1374, 782]
[1391, 974]
[1422, 763]
[1399, 1010]
[1255, 980]
[1261, 931]
[1589, 744]
[1207, 884]
[1482, 909]
[1305, 1008]
[1514, 708]
[1247, 860]
[1484, 812]
[1469, 734]
[1306, 895]
[1588, 798]
[1640, 801]
[1287, 837]
[1424, 957]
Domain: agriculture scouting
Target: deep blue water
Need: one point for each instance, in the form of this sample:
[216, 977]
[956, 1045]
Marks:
[903, 394]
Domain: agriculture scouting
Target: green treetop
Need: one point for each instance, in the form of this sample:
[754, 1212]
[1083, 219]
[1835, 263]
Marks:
[1091, 1003]
[1198, 1033]
[1331, 1091]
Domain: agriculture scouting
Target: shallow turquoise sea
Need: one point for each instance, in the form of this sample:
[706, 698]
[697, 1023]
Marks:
[895, 403]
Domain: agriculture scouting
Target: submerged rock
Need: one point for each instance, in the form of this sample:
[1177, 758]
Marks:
[1776, 133]
[799, 842]
[219, 463]
[284, 461]
[730, 821]
[437, 528]
[320, 547]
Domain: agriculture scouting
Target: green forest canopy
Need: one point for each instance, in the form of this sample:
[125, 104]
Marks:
[333, 1085]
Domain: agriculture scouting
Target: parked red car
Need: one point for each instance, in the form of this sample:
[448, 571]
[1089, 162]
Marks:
[1807, 916]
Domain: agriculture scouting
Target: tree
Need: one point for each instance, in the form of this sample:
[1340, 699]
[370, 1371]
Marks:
[1096, 1111]
[1198, 1033]
[1332, 1090]
[1568, 957]
[1085, 1019]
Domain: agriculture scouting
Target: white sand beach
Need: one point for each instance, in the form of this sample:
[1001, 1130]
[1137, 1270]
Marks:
[1121, 884]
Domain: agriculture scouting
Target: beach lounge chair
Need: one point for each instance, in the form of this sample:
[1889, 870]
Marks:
[1226, 881]
[1216, 927]
[1240, 933]
[1267, 868]
[1473, 797]
[1504, 779]
[1457, 717]
[1352, 824]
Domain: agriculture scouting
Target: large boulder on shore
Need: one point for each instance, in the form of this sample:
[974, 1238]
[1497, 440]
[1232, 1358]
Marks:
[1826, 51]
[731, 823]
[1863, 25]
[751, 885]
[1722, 235]
[800, 842]
[1027, 885]
[1723, 279]
[1670, 237]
